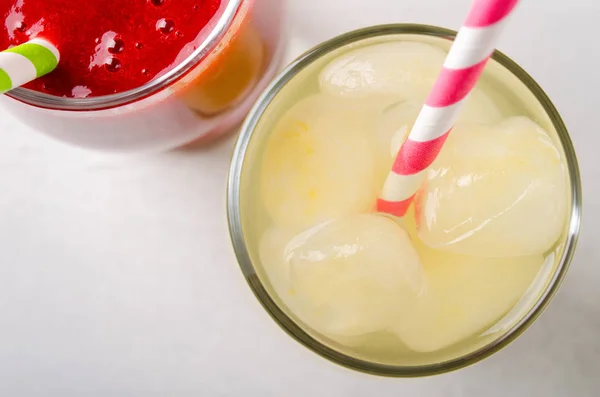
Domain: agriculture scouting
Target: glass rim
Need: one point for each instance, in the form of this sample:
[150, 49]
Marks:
[294, 330]
[52, 102]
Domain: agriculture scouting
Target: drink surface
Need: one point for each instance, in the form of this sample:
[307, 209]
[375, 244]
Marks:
[486, 222]
[107, 46]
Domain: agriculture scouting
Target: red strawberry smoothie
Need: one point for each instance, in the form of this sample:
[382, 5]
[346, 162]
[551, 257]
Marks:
[106, 46]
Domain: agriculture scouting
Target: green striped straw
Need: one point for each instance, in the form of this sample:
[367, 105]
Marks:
[21, 64]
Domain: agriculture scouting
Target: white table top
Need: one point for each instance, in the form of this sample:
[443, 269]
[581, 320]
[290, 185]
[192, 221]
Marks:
[99, 298]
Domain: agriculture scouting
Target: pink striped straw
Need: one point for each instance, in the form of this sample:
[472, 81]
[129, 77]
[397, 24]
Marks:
[463, 66]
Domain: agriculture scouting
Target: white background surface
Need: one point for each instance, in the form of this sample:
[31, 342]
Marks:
[117, 277]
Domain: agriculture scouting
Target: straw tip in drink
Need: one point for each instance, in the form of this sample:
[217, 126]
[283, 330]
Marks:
[396, 208]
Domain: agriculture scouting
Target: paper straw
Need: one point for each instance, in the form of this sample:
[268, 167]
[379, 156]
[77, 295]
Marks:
[26, 62]
[473, 46]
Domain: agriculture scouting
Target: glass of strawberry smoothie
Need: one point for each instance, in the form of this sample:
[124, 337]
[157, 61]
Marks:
[143, 75]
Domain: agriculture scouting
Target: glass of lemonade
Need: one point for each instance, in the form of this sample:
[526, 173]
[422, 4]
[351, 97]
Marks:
[144, 75]
[487, 240]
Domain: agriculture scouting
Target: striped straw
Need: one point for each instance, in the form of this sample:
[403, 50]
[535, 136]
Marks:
[463, 66]
[26, 62]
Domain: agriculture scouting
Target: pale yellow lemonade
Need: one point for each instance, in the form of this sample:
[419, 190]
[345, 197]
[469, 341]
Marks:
[478, 243]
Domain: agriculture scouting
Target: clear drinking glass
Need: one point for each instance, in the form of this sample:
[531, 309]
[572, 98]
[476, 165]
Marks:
[245, 228]
[204, 96]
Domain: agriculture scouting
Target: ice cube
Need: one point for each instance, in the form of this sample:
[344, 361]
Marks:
[354, 275]
[494, 192]
[320, 163]
[464, 295]
[276, 269]
[400, 70]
